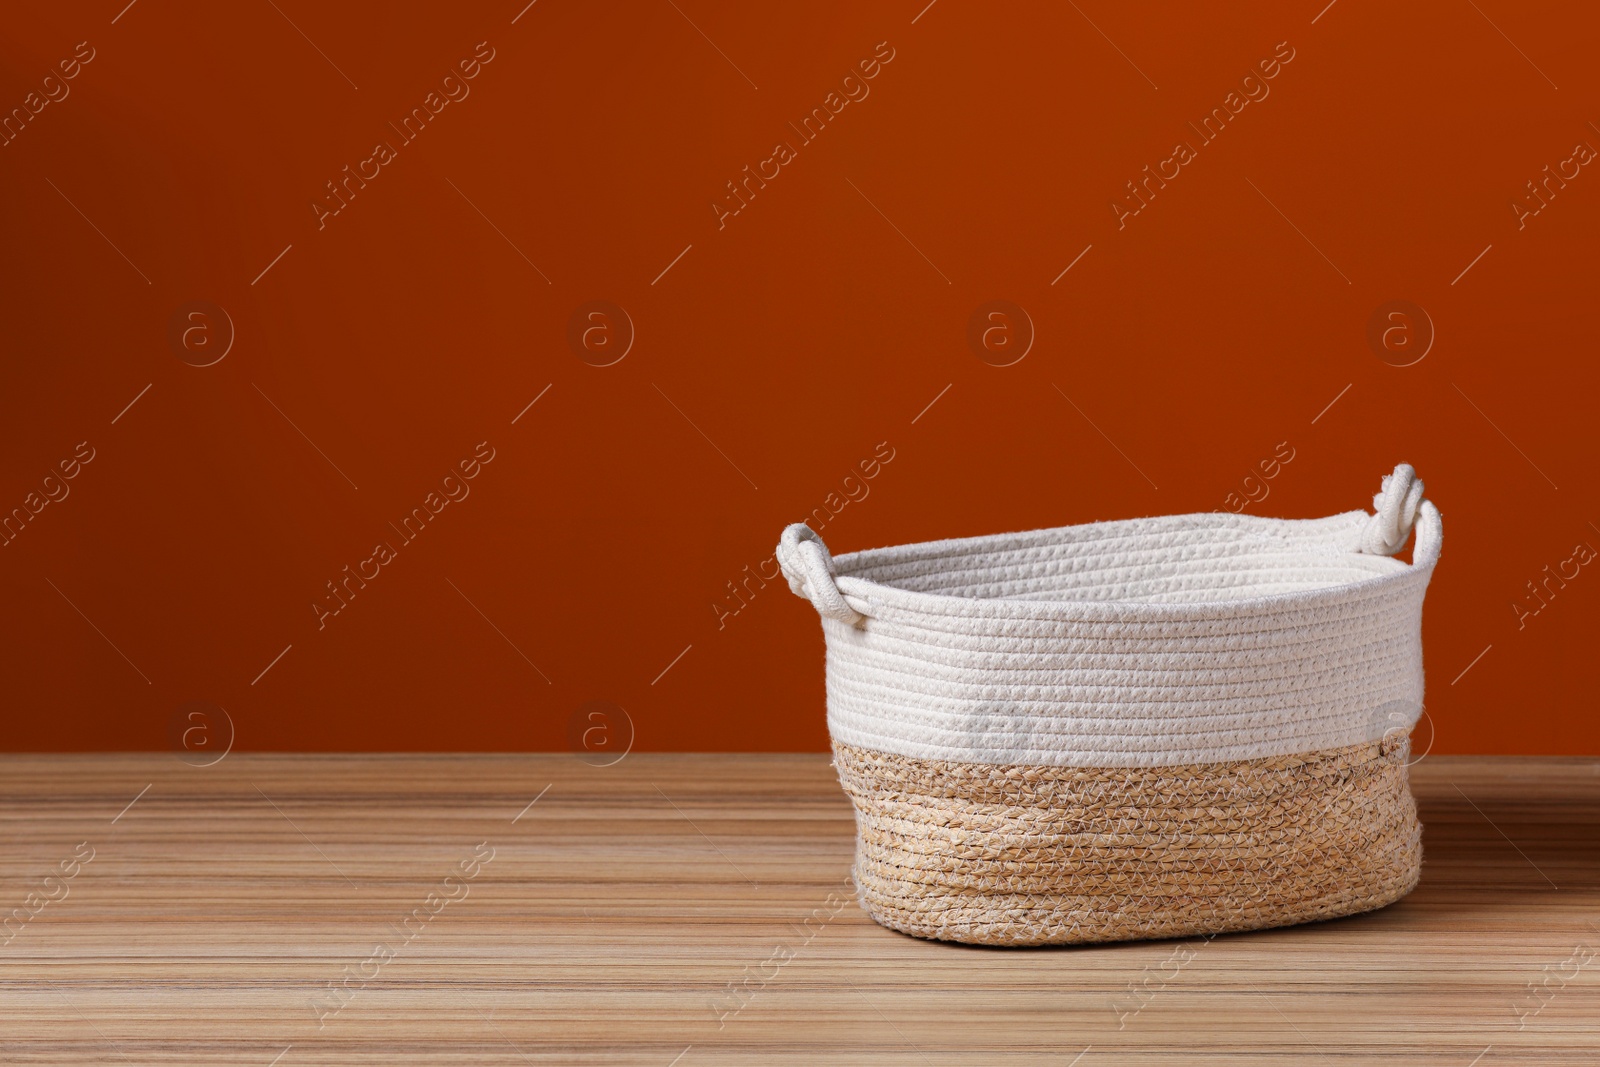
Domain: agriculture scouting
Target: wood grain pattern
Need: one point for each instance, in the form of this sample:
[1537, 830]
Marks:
[220, 909]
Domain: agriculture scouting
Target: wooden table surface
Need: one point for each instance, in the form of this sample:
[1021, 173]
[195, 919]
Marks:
[694, 910]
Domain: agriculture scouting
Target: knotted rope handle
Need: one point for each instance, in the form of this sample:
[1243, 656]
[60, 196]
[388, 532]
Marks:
[809, 568]
[1397, 508]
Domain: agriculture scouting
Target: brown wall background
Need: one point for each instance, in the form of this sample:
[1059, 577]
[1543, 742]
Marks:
[374, 349]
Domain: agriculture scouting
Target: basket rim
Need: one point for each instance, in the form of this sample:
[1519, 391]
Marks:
[866, 595]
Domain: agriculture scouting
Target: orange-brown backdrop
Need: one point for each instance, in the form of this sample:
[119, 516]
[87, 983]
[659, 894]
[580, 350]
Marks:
[561, 198]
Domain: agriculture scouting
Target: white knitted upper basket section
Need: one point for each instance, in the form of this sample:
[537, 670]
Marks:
[1147, 642]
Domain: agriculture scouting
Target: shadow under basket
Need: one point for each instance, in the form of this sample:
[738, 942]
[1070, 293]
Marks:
[1150, 728]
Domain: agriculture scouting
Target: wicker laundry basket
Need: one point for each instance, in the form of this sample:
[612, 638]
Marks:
[1149, 728]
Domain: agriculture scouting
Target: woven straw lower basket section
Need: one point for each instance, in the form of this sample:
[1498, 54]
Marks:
[1034, 855]
[1157, 728]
